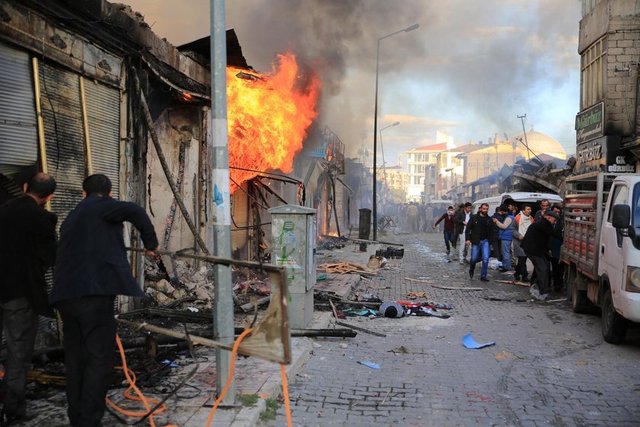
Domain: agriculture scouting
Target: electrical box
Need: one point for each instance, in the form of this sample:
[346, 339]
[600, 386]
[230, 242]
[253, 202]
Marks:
[293, 230]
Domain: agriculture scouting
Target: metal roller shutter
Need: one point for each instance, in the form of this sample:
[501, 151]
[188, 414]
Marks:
[103, 112]
[18, 129]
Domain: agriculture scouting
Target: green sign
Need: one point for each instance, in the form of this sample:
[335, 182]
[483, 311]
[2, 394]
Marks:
[590, 123]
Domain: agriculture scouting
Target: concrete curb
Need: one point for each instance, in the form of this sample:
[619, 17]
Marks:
[301, 352]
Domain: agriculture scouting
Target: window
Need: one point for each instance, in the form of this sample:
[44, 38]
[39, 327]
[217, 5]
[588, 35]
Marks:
[619, 196]
[592, 74]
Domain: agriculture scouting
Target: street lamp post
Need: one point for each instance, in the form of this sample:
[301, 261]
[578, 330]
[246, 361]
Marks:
[374, 210]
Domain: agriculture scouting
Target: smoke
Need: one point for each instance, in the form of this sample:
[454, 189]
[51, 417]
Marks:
[470, 64]
[469, 69]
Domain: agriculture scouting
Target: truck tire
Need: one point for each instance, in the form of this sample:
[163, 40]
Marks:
[579, 301]
[614, 326]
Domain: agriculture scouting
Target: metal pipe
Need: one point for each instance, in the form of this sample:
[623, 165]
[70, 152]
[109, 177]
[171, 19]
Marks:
[85, 126]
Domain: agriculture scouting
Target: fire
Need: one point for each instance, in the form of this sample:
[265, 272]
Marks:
[268, 116]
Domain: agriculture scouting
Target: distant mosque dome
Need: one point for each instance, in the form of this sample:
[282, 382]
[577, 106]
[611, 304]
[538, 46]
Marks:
[540, 144]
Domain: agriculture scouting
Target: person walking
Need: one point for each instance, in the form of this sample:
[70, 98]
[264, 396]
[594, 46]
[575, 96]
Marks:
[477, 235]
[523, 220]
[91, 270]
[449, 228]
[536, 246]
[28, 248]
[505, 236]
[462, 219]
[494, 235]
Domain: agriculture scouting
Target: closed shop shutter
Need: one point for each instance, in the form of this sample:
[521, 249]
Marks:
[103, 112]
[18, 129]
[64, 135]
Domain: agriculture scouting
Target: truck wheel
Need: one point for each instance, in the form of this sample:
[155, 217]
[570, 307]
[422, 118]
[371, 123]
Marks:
[579, 301]
[614, 326]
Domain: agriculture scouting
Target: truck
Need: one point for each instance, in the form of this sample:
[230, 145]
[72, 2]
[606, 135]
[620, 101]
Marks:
[601, 248]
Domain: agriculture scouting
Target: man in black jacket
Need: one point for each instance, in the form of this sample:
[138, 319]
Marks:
[536, 246]
[28, 248]
[91, 270]
[477, 234]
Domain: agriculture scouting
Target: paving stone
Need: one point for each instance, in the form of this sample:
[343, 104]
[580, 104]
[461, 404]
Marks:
[549, 366]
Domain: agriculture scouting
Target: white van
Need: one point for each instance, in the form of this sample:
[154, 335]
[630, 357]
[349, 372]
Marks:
[519, 197]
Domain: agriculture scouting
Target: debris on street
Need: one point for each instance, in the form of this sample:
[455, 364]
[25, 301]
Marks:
[470, 343]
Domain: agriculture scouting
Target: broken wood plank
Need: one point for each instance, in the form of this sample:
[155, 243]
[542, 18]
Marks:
[513, 282]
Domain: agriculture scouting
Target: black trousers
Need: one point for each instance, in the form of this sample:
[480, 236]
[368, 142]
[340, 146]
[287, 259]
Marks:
[521, 268]
[19, 324]
[89, 348]
[541, 271]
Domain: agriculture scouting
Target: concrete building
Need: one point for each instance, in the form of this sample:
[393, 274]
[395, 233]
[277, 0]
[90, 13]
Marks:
[609, 45]
[432, 170]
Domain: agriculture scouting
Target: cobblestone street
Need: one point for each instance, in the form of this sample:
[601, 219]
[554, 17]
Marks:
[549, 366]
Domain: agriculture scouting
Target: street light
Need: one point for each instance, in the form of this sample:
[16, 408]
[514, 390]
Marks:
[375, 130]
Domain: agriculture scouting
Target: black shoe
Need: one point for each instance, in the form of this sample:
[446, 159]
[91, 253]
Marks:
[484, 279]
[471, 273]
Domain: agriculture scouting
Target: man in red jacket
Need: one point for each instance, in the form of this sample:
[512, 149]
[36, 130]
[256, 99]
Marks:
[449, 219]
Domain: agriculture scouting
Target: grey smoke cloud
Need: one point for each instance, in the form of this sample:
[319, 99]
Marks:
[469, 69]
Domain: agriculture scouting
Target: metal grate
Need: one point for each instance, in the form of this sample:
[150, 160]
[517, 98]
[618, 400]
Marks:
[18, 130]
[103, 111]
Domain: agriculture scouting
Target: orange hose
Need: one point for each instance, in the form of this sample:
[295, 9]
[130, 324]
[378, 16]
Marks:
[285, 395]
[232, 365]
[139, 397]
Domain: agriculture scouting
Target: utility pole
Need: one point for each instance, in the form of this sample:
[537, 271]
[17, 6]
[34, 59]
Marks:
[524, 131]
[219, 197]
[526, 143]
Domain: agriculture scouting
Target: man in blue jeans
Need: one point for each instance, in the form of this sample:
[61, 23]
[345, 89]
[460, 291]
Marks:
[477, 235]
[505, 228]
[449, 218]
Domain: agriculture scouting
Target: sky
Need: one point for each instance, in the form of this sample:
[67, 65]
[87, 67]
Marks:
[469, 70]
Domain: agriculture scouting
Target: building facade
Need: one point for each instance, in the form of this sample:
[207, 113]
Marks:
[609, 46]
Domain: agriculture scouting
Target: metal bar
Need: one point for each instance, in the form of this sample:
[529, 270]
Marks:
[217, 260]
[168, 332]
[42, 146]
[85, 125]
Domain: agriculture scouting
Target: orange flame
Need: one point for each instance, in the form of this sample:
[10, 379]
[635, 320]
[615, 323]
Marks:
[268, 118]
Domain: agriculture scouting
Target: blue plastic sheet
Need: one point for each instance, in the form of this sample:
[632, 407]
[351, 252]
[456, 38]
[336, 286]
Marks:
[469, 342]
[369, 364]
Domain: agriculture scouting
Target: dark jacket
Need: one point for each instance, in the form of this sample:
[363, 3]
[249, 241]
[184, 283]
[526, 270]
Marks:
[449, 221]
[459, 221]
[536, 240]
[92, 259]
[479, 228]
[28, 248]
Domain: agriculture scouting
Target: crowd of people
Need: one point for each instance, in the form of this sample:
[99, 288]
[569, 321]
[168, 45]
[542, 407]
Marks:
[515, 234]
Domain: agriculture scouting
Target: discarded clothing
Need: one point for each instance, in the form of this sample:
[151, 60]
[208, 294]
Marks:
[391, 309]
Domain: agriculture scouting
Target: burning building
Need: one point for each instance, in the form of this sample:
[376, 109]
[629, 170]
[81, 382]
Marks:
[87, 87]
